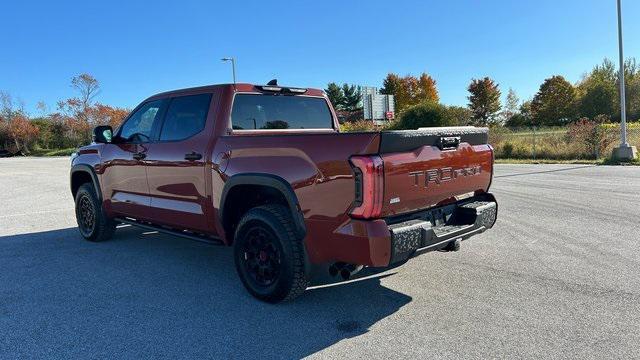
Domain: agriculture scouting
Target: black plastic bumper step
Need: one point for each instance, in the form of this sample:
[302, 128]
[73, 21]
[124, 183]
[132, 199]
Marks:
[434, 228]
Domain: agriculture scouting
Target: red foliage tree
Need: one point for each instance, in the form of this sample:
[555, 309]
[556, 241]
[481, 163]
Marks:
[23, 132]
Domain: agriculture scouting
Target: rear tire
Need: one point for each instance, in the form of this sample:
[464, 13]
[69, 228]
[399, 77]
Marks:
[93, 223]
[269, 257]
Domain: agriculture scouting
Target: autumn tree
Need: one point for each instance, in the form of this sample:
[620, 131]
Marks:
[484, 101]
[23, 132]
[108, 115]
[403, 96]
[80, 107]
[79, 112]
[335, 94]
[427, 89]
[16, 127]
[555, 102]
[409, 90]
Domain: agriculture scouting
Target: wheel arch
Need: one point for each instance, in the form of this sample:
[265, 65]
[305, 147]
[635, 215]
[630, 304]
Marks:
[81, 174]
[275, 189]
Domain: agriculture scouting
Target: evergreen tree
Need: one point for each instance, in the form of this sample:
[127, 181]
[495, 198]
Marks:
[335, 94]
[352, 97]
[390, 84]
[511, 106]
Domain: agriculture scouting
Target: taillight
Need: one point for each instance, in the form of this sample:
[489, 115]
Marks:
[369, 179]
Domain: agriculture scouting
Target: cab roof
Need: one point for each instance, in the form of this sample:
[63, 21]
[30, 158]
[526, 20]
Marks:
[238, 87]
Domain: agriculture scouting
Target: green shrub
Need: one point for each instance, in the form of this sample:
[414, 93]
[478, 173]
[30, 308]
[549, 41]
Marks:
[427, 114]
[507, 150]
[459, 115]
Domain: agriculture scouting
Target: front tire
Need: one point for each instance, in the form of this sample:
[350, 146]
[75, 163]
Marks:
[93, 223]
[269, 257]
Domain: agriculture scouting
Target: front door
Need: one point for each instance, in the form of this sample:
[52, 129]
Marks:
[176, 164]
[124, 178]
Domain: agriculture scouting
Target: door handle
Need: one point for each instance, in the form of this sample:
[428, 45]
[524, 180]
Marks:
[192, 156]
[139, 155]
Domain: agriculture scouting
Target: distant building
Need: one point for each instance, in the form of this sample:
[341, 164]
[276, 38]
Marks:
[377, 107]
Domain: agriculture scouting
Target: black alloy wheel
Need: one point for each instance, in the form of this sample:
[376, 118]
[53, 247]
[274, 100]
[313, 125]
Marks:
[261, 256]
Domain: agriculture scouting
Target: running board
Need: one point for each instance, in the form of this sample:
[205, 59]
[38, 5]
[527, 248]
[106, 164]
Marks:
[183, 234]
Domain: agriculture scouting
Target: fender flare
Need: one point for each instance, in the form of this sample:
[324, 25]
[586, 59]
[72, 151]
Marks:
[94, 177]
[268, 180]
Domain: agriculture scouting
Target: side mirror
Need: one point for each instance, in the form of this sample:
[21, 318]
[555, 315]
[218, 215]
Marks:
[102, 134]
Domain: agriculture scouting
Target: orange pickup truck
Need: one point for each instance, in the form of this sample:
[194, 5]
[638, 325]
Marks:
[265, 169]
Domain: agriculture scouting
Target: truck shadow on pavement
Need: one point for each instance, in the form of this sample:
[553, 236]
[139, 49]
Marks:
[153, 295]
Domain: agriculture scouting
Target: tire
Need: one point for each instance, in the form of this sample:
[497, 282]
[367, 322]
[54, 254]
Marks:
[93, 223]
[269, 258]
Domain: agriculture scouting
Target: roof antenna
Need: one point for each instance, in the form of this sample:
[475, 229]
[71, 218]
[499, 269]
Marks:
[273, 82]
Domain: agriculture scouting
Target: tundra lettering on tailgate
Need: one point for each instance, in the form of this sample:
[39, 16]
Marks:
[438, 176]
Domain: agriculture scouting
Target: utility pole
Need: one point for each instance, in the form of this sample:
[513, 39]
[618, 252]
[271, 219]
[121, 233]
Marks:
[624, 151]
[233, 66]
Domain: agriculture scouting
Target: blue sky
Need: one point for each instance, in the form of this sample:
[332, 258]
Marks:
[136, 48]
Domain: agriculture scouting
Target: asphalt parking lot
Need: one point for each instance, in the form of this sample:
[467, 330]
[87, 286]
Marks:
[557, 277]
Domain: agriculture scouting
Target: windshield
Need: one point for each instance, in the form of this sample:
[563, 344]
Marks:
[257, 111]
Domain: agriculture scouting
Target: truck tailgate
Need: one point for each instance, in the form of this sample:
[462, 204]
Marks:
[432, 166]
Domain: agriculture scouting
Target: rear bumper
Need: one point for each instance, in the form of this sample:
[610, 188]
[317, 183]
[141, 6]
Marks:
[433, 229]
[385, 242]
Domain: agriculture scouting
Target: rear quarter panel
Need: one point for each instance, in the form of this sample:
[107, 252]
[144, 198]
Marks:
[317, 167]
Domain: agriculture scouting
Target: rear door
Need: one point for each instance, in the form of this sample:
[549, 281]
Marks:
[432, 166]
[124, 179]
[177, 161]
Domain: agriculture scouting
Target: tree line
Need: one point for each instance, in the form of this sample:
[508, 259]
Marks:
[557, 103]
[417, 103]
[69, 126]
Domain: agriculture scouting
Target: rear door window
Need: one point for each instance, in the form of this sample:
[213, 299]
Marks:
[186, 116]
[260, 112]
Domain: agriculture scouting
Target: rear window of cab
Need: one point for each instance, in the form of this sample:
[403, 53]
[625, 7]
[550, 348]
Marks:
[267, 112]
